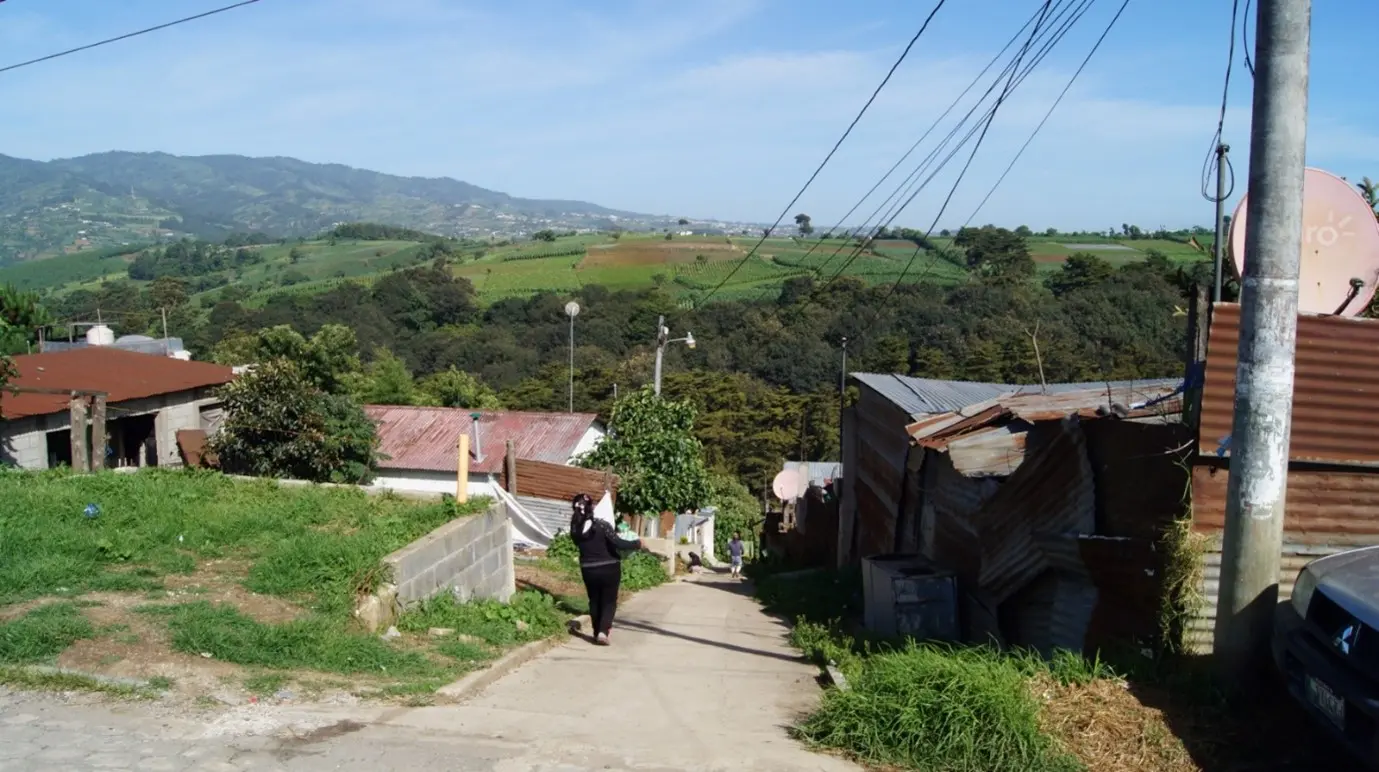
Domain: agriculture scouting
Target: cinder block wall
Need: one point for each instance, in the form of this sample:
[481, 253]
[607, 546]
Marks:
[471, 557]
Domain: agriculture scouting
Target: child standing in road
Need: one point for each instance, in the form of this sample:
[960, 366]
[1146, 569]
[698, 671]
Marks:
[735, 553]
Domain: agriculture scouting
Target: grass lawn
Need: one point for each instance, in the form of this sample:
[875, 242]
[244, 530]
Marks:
[217, 580]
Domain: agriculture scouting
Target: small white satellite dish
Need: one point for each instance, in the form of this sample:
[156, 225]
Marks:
[789, 485]
[1340, 244]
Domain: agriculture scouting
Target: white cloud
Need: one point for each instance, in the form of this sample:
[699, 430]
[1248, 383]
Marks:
[645, 109]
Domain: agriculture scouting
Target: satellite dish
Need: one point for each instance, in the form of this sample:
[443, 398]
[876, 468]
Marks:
[1340, 242]
[789, 485]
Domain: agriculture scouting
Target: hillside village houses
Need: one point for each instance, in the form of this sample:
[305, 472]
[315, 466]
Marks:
[147, 398]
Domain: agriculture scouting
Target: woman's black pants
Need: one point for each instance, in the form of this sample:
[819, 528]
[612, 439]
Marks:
[602, 584]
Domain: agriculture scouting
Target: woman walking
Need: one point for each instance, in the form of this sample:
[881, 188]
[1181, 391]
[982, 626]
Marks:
[600, 563]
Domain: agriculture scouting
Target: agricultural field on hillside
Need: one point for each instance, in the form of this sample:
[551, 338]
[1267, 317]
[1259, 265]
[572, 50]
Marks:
[77, 268]
[688, 266]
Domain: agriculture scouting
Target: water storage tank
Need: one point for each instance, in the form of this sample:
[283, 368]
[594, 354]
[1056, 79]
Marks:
[100, 335]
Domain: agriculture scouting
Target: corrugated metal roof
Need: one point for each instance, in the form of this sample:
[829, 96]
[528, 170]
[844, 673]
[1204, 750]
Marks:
[1335, 389]
[926, 396]
[427, 438]
[988, 438]
[820, 472]
[123, 375]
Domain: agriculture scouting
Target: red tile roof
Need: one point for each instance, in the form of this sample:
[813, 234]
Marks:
[123, 375]
[427, 438]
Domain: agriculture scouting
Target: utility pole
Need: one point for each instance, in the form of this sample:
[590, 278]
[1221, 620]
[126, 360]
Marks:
[842, 398]
[661, 333]
[1220, 246]
[1256, 492]
[662, 338]
[572, 310]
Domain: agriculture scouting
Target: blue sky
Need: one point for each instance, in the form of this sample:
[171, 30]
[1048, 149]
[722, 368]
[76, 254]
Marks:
[701, 108]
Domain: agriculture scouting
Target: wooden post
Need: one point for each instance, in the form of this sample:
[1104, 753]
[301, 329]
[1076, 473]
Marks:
[462, 470]
[510, 467]
[98, 433]
[77, 416]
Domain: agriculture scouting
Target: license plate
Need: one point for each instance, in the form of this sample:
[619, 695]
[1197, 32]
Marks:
[1327, 701]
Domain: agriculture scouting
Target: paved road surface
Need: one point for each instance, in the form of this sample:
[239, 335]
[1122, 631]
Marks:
[697, 679]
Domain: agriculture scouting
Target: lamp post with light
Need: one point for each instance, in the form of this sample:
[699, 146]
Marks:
[572, 310]
[663, 338]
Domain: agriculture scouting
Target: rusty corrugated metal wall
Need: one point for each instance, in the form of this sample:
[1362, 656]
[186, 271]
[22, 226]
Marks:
[1333, 480]
[1335, 390]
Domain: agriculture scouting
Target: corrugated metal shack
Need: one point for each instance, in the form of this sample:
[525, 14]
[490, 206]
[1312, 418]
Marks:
[1333, 477]
[1048, 506]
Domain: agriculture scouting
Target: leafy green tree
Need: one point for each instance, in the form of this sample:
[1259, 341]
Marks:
[295, 255]
[1082, 269]
[385, 381]
[547, 235]
[996, 254]
[456, 388]
[279, 424]
[326, 360]
[738, 511]
[7, 371]
[21, 316]
[651, 446]
[1370, 192]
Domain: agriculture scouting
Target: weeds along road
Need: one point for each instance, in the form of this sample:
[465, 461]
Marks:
[698, 678]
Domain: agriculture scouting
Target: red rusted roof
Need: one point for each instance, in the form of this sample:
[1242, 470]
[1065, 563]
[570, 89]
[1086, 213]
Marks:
[1335, 387]
[427, 438]
[123, 375]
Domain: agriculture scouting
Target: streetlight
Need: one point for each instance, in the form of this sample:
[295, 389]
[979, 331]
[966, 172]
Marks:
[572, 310]
[662, 338]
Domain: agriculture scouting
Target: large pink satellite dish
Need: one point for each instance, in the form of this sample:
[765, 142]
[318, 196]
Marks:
[789, 485]
[1340, 242]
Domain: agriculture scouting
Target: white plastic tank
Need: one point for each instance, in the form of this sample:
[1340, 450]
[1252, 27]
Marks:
[100, 335]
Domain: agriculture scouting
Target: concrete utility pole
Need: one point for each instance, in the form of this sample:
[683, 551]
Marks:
[1251, 551]
[662, 338]
[661, 333]
[1220, 246]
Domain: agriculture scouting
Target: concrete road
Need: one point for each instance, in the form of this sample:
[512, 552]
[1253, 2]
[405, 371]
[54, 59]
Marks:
[697, 678]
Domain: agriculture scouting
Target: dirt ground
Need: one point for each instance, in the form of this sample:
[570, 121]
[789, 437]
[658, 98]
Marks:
[133, 645]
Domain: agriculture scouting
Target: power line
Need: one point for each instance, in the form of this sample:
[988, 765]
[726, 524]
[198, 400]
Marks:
[918, 142]
[1105, 33]
[1005, 92]
[127, 36]
[827, 158]
[910, 180]
[1209, 165]
[1049, 114]
[896, 210]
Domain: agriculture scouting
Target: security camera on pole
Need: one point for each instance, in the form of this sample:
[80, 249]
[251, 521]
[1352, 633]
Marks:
[662, 338]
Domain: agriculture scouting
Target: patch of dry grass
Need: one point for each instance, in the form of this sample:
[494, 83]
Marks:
[1105, 726]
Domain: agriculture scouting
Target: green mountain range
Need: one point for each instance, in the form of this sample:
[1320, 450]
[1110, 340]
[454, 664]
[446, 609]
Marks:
[108, 199]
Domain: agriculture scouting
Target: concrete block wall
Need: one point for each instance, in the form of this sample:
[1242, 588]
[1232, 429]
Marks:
[471, 557]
